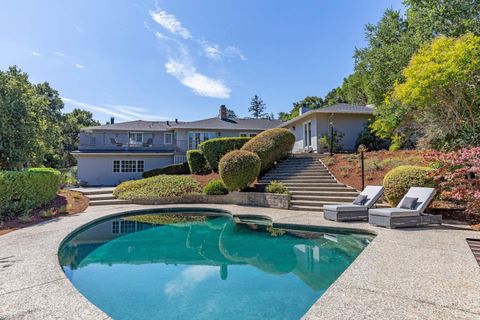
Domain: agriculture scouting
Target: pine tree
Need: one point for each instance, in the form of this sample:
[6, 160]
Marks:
[257, 107]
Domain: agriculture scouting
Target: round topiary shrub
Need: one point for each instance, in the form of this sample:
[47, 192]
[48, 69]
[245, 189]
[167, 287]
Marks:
[271, 146]
[238, 169]
[398, 180]
[215, 188]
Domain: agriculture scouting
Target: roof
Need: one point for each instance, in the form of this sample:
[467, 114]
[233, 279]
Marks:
[122, 151]
[230, 124]
[343, 108]
[211, 123]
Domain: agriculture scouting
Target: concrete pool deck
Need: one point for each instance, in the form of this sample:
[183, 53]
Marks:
[421, 273]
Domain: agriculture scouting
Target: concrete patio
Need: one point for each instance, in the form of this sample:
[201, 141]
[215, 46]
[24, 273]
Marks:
[422, 273]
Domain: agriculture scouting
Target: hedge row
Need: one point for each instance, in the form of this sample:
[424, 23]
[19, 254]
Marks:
[178, 168]
[271, 146]
[398, 180]
[23, 191]
[238, 169]
[196, 161]
[214, 149]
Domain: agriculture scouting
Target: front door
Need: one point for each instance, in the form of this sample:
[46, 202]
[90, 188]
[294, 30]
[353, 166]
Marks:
[307, 134]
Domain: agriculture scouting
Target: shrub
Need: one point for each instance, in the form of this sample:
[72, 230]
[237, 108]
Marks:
[276, 187]
[196, 161]
[239, 168]
[271, 146]
[23, 191]
[215, 187]
[397, 181]
[157, 187]
[178, 168]
[214, 149]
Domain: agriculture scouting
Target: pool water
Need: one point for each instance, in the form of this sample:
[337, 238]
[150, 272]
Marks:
[182, 265]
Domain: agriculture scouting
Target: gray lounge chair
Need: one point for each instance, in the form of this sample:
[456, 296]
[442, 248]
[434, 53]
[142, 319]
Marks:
[354, 212]
[401, 217]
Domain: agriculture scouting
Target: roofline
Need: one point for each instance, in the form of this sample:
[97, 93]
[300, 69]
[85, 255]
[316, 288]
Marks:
[316, 111]
[86, 153]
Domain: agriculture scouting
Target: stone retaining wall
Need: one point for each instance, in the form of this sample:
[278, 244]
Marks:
[256, 199]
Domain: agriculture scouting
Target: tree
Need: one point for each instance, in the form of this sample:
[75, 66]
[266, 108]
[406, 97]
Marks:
[442, 91]
[73, 122]
[257, 107]
[231, 114]
[334, 96]
[311, 102]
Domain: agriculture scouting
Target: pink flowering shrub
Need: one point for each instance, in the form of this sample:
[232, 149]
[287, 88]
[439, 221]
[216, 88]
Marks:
[458, 176]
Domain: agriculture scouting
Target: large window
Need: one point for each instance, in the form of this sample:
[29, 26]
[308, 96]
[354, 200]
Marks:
[195, 138]
[247, 134]
[136, 138]
[168, 138]
[128, 165]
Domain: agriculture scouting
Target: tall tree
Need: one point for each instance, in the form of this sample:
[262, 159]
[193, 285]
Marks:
[257, 107]
[334, 96]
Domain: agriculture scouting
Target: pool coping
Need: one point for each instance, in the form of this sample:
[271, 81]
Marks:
[415, 273]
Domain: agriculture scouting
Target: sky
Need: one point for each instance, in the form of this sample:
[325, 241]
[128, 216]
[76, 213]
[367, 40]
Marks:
[167, 59]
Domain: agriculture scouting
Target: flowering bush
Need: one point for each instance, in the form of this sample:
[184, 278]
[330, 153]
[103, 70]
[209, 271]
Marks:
[458, 176]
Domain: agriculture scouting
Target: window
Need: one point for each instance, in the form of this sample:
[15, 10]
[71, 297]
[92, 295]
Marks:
[247, 134]
[116, 165]
[195, 138]
[168, 138]
[140, 165]
[136, 137]
[128, 165]
[93, 141]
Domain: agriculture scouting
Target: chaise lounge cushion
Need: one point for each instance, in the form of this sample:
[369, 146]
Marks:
[361, 199]
[409, 203]
[394, 212]
[344, 207]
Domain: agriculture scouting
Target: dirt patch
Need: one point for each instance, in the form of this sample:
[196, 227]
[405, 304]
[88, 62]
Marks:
[65, 203]
[206, 177]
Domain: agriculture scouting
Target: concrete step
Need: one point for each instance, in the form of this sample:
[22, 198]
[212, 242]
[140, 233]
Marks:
[331, 184]
[329, 193]
[340, 199]
[295, 176]
[295, 170]
[299, 174]
[92, 190]
[107, 196]
[312, 203]
[300, 180]
[108, 202]
[335, 188]
[306, 208]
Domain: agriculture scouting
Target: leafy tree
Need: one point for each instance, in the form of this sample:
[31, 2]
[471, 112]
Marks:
[311, 102]
[354, 89]
[335, 96]
[442, 91]
[231, 114]
[257, 107]
[368, 138]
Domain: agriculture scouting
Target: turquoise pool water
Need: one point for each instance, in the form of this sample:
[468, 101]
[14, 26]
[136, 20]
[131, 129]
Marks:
[183, 265]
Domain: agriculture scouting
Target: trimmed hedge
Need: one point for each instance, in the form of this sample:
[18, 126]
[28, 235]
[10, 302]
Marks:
[276, 187]
[23, 191]
[398, 180]
[161, 186]
[178, 168]
[214, 149]
[215, 187]
[271, 146]
[196, 161]
[238, 169]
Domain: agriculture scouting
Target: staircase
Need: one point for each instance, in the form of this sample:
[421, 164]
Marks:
[100, 196]
[309, 182]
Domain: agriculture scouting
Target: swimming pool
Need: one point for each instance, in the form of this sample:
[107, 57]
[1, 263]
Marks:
[201, 264]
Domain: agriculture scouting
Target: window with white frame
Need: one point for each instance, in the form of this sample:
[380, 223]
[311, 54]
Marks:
[136, 137]
[195, 138]
[128, 165]
[247, 134]
[168, 138]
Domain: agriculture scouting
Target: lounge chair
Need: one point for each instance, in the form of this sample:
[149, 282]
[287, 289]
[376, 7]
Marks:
[356, 211]
[409, 211]
[114, 142]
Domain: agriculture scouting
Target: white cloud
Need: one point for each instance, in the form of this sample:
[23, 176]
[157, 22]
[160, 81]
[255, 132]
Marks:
[79, 66]
[199, 83]
[215, 52]
[169, 22]
[59, 54]
[189, 278]
[35, 53]
[123, 112]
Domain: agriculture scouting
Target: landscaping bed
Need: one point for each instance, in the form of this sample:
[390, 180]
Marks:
[66, 203]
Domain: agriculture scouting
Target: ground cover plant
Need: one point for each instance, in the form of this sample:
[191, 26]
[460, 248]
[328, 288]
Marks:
[276, 187]
[215, 187]
[158, 187]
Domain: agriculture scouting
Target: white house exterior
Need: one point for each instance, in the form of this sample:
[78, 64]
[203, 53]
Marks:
[311, 125]
[113, 153]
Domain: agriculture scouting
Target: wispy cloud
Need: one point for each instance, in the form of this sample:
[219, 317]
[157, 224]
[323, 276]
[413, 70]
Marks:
[119, 111]
[215, 52]
[59, 54]
[169, 22]
[188, 279]
[79, 66]
[199, 83]
[36, 54]
[67, 59]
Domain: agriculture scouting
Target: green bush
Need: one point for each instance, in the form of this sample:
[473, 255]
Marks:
[276, 187]
[214, 149]
[157, 187]
[397, 181]
[178, 168]
[23, 191]
[215, 187]
[271, 146]
[196, 161]
[239, 168]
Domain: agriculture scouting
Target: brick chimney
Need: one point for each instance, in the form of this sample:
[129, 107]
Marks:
[222, 113]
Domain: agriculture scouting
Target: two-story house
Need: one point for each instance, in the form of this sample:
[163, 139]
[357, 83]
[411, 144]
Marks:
[116, 152]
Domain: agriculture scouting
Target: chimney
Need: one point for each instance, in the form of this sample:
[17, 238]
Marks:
[176, 120]
[112, 120]
[222, 114]
[303, 109]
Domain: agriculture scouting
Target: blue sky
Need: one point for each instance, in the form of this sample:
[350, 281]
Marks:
[182, 59]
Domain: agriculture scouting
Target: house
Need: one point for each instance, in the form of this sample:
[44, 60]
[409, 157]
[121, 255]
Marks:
[347, 121]
[116, 152]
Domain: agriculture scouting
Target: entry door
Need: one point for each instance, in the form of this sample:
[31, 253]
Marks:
[307, 134]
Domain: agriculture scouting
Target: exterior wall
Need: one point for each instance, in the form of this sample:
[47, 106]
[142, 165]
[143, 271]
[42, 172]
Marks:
[97, 170]
[298, 131]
